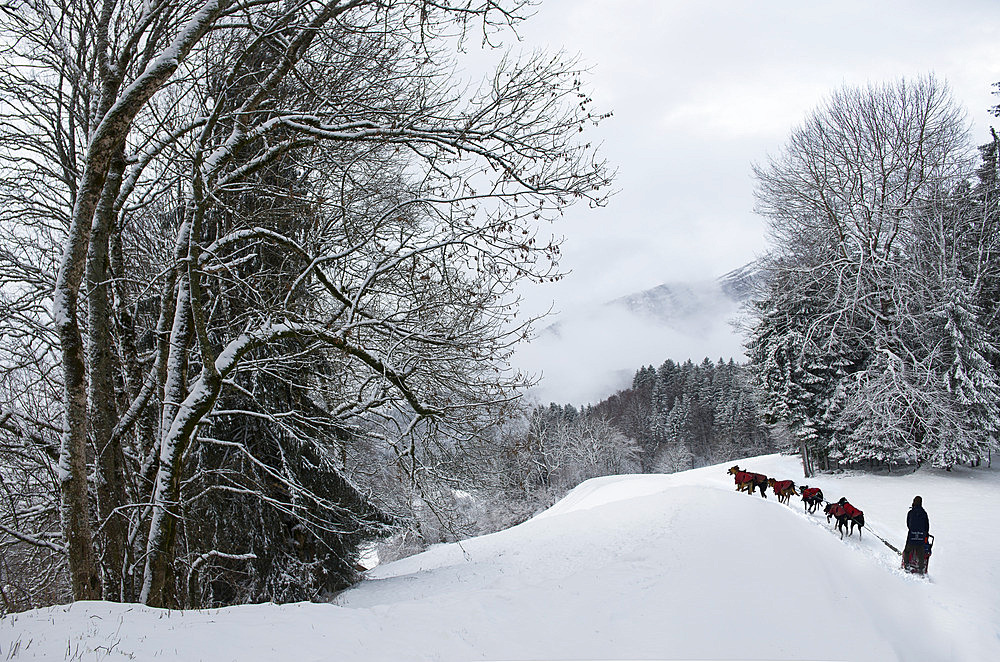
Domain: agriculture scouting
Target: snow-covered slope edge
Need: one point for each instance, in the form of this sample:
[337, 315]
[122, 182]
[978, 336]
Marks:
[635, 567]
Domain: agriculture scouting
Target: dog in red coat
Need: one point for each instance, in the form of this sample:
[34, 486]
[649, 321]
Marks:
[784, 489]
[812, 498]
[846, 516]
[749, 480]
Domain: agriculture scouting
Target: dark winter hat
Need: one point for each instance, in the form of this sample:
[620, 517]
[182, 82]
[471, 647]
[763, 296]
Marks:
[917, 501]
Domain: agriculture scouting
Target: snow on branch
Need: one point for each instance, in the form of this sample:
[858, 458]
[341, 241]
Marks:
[32, 540]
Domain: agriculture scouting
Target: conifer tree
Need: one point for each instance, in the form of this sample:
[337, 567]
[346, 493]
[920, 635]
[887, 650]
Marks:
[971, 381]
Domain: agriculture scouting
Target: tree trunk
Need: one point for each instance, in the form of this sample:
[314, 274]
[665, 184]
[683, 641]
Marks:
[807, 468]
[159, 583]
[109, 460]
[75, 508]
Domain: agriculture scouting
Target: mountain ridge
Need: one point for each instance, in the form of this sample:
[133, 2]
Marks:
[673, 301]
[589, 354]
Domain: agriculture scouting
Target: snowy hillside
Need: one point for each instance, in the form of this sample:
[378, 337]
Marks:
[633, 567]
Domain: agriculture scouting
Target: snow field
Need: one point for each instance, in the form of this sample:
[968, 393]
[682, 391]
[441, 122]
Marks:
[636, 567]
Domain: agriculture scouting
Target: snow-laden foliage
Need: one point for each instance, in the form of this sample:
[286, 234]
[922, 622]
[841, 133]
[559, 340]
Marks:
[679, 415]
[247, 241]
[871, 334]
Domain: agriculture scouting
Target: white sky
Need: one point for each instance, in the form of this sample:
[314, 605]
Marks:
[700, 90]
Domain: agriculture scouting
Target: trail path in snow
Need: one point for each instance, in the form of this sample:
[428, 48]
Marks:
[631, 567]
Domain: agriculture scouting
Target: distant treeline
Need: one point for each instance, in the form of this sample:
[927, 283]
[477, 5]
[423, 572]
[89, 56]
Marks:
[678, 416]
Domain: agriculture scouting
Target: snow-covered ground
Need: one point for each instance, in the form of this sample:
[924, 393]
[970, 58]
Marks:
[632, 567]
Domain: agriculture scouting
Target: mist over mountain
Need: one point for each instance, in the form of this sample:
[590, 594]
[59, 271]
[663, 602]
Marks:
[590, 353]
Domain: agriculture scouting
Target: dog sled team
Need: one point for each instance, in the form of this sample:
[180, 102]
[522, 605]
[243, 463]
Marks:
[919, 541]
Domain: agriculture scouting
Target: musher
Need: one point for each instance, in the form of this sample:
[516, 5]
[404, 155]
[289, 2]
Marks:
[918, 527]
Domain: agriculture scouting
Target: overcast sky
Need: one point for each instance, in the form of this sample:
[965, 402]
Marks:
[702, 89]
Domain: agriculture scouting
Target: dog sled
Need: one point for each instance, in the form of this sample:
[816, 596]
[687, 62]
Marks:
[915, 557]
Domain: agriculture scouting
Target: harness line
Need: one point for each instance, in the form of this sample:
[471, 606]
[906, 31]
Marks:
[884, 541]
[871, 531]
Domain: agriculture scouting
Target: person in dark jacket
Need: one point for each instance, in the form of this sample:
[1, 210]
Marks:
[917, 526]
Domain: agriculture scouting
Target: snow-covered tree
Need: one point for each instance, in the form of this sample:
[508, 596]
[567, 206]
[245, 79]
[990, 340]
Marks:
[870, 212]
[673, 457]
[972, 382]
[588, 447]
[160, 156]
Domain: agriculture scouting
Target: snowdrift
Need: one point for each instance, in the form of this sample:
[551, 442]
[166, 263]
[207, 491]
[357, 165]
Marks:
[633, 567]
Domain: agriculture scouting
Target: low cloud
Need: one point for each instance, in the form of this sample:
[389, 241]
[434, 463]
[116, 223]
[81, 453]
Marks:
[589, 355]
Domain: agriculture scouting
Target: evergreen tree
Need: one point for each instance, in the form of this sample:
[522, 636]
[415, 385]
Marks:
[799, 356]
[971, 381]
